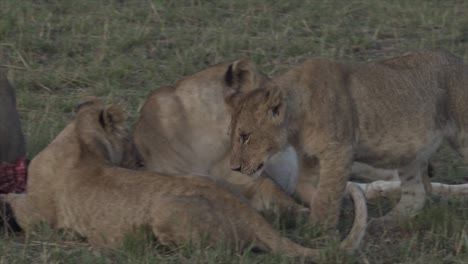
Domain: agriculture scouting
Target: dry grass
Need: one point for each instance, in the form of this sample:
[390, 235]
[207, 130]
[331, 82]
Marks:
[57, 51]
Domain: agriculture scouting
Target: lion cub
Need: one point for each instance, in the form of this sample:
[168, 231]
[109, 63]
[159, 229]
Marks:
[391, 114]
[75, 184]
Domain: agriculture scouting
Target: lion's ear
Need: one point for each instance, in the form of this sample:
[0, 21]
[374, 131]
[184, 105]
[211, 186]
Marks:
[87, 101]
[241, 76]
[112, 118]
[275, 105]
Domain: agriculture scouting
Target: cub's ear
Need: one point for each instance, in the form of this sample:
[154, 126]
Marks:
[112, 118]
[275, 105]
[241, 76]
[87, 101]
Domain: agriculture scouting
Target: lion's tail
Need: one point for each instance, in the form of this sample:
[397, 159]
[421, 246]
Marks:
[269, 239]
[354, 238]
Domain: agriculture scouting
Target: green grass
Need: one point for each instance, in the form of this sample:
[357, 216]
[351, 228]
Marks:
[55, 52]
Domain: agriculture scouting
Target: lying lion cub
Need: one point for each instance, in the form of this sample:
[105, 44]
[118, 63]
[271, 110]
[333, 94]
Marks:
[75, 184]
[391, 114]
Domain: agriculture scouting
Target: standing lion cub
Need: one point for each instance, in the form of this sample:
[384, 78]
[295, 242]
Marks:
[391, 114]
[75, 184]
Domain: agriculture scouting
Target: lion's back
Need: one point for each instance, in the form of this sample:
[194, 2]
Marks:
[182, 128]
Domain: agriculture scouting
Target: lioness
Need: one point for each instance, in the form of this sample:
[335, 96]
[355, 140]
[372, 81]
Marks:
[184, 129]
[74, 183]
[392, 114]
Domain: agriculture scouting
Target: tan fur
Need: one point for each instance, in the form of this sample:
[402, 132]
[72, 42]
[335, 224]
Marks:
[74, 184]
[391, 114]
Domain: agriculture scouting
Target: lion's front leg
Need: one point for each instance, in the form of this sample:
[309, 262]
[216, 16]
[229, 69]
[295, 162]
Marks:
[308, 179]
[335, 168]
[267, 195]
[262, 192]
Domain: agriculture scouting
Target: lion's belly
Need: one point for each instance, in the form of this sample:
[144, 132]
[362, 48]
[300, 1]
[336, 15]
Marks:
[395, 151]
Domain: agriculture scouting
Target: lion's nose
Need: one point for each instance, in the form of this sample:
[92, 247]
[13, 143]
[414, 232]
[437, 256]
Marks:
[236, 167]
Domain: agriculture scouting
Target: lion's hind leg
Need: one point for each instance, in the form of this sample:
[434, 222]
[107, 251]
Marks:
[24, 210]
[189, 220]
[412, 200]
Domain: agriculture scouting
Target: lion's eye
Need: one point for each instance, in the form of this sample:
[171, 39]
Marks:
[244, 137]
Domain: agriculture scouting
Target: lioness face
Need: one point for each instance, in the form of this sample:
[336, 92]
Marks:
[257, 130]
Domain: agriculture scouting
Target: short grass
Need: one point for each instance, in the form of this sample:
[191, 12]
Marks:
[57, 51]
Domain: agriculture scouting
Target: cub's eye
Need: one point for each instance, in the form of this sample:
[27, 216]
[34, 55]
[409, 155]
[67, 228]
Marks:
[244, 137]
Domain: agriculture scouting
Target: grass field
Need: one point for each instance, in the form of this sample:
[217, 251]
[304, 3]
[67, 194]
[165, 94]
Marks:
[55, 52]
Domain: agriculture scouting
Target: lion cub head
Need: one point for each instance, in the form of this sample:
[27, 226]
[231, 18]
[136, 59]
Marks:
[258, 129]
[101, 131]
